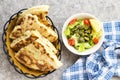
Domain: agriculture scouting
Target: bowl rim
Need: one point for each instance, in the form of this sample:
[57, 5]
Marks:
[72, 49]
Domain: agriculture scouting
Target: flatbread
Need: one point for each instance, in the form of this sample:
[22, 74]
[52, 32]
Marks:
[27, 38]
[30, 22]
[40, 11]
[38, 56]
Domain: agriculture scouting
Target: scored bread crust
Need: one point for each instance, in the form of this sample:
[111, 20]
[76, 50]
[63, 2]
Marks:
[30, 22]
[27, 38]
[37, 10]
[40, 11]
[38, 57]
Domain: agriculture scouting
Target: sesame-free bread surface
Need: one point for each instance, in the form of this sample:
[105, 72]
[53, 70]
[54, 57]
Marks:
[27, 38]
[30, 22]
[38, 56]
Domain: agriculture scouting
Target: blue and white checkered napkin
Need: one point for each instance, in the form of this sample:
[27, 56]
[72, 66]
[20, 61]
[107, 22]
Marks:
[103, 64]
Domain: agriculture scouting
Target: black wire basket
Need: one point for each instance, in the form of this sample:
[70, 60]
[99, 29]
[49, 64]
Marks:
[10, 58]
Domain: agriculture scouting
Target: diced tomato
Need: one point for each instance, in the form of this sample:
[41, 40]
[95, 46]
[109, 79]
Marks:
[87, 22]
[72, 21]
[95, 40]
[71, 42]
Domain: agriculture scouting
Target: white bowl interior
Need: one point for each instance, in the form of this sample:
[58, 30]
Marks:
[72, 49]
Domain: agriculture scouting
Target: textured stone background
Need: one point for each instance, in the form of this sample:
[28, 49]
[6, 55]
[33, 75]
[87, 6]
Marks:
[60, 10]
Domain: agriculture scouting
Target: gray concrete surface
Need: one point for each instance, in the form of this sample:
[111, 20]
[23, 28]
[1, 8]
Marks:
[60, 10]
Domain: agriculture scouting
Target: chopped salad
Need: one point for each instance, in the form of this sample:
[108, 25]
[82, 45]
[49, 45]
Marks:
[83, 34]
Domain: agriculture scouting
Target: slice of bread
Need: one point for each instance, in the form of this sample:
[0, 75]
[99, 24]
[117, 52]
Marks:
[37, 10]
[38, 56]
[27, 38]
[40, 11]
[30, 22]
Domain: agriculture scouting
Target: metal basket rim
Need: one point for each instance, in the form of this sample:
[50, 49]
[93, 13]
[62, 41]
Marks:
[9, 57]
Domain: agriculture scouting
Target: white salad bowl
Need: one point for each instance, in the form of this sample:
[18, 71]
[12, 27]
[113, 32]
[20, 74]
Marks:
[71, 48]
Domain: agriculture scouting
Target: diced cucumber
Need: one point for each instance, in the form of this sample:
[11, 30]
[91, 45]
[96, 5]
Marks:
[91, 43]
[73, 25]
[67, 32]
[81, 22]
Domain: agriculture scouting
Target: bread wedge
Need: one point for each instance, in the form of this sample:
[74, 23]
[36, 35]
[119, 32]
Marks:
[40, 11]
[30, 22]
[27, 38]
[38, 56]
